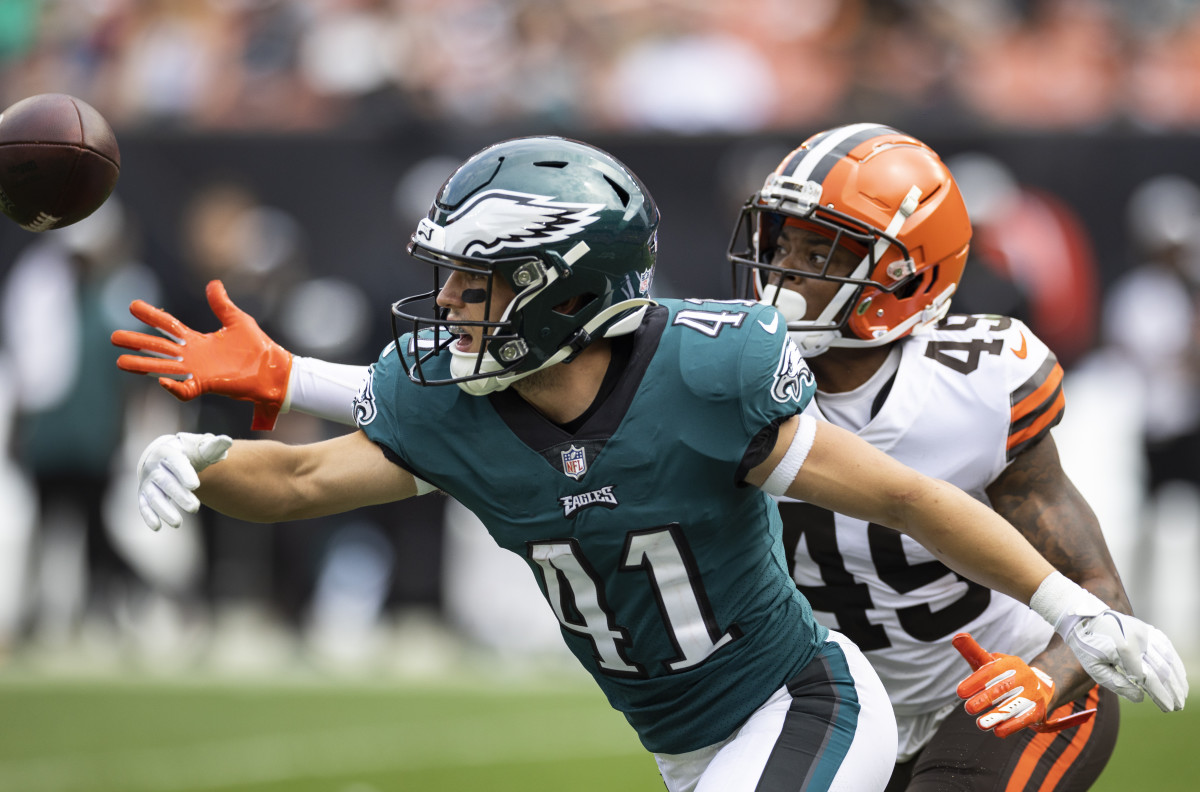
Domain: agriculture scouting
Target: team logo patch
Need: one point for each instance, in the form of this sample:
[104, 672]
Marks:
[574, 462]
[602, 497]
[498, 219]
[364, 400]
[792, 376]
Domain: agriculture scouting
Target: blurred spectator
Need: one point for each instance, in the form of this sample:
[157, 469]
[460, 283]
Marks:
[912, 34]
[353, 55]
[173, 64]
[334, 579]
[1152, 317]
[1057, 67]
[1163, 82]
[257, 251]
[1034, 240]
[17, 518]
[65, 294]
[691, 76]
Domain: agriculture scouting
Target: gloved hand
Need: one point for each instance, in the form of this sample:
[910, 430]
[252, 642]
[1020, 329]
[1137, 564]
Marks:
[1122, 653]
[239, 360]
[168, 472]
[1015, 695]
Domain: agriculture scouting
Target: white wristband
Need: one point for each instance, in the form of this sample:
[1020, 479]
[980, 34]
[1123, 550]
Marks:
[785, 472]
[323, 389]
[1061, 601]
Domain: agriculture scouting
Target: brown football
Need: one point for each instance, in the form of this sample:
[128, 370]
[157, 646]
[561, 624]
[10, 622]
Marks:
[58, 161]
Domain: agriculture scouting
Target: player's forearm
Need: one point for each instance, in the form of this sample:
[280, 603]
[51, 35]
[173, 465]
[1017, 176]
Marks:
[323, 389]
[266, 481]
[974, 541]
[256, 482]
[844, 473]
[1037, 497]
[1035, 494]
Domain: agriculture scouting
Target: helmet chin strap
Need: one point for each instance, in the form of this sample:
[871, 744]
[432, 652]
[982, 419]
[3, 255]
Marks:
[462, 364]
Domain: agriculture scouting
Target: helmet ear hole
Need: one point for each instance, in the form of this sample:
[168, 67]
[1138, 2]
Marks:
[575, 304]
[921, 284]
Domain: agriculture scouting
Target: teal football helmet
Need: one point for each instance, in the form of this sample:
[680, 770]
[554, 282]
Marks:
[561, 222]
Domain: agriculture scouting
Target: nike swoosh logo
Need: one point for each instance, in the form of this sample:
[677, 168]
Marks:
[772, 327]
[1023, 352]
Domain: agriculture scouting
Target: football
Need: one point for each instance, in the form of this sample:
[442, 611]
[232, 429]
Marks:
[58, 161]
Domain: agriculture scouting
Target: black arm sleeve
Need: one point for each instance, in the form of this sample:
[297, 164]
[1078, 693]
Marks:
[396, 459]
[759, 449]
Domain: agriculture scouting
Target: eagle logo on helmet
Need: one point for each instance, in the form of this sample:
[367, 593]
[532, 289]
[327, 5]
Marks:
[498, 219]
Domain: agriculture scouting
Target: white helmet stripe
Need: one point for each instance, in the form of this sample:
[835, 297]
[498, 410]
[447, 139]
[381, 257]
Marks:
[815, 163]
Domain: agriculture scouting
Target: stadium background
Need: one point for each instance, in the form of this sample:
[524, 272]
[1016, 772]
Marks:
[336, 121]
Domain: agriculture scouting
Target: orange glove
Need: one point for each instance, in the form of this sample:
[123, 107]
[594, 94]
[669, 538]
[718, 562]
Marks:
[1014, 694]
[239, 360]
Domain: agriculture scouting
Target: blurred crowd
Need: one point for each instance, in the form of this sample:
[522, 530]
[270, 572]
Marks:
[685, 66]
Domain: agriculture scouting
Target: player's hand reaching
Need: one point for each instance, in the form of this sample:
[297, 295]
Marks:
[1011, 694]
[168, 472]
[1121, 652]
[239, 360]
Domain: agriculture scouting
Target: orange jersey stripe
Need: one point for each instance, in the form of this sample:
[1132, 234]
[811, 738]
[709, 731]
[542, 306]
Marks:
[1046, 418]
[1030, 405]
[1028, 762]
[1078, 741]
[1033, 400]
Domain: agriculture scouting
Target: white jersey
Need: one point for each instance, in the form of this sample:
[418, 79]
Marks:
[966, 398]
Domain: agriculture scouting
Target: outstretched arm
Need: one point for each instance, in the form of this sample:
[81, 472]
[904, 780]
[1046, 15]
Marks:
[835, 469]
[239, 361]
[266, 481]
[844, 473]
[1036, 496]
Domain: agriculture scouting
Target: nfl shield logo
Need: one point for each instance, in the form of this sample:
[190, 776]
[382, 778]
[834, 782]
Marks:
[574, 462]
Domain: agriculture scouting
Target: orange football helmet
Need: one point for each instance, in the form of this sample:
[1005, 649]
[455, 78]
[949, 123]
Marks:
[885, 196]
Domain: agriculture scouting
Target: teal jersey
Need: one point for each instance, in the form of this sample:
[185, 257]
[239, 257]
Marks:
[666, 573]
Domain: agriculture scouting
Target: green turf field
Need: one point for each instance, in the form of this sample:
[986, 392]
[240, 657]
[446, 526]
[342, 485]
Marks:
[313, 737]
[320, 736]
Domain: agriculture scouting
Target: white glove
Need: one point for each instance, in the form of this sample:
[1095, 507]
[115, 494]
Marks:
[1120, 652]
[167, 474]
